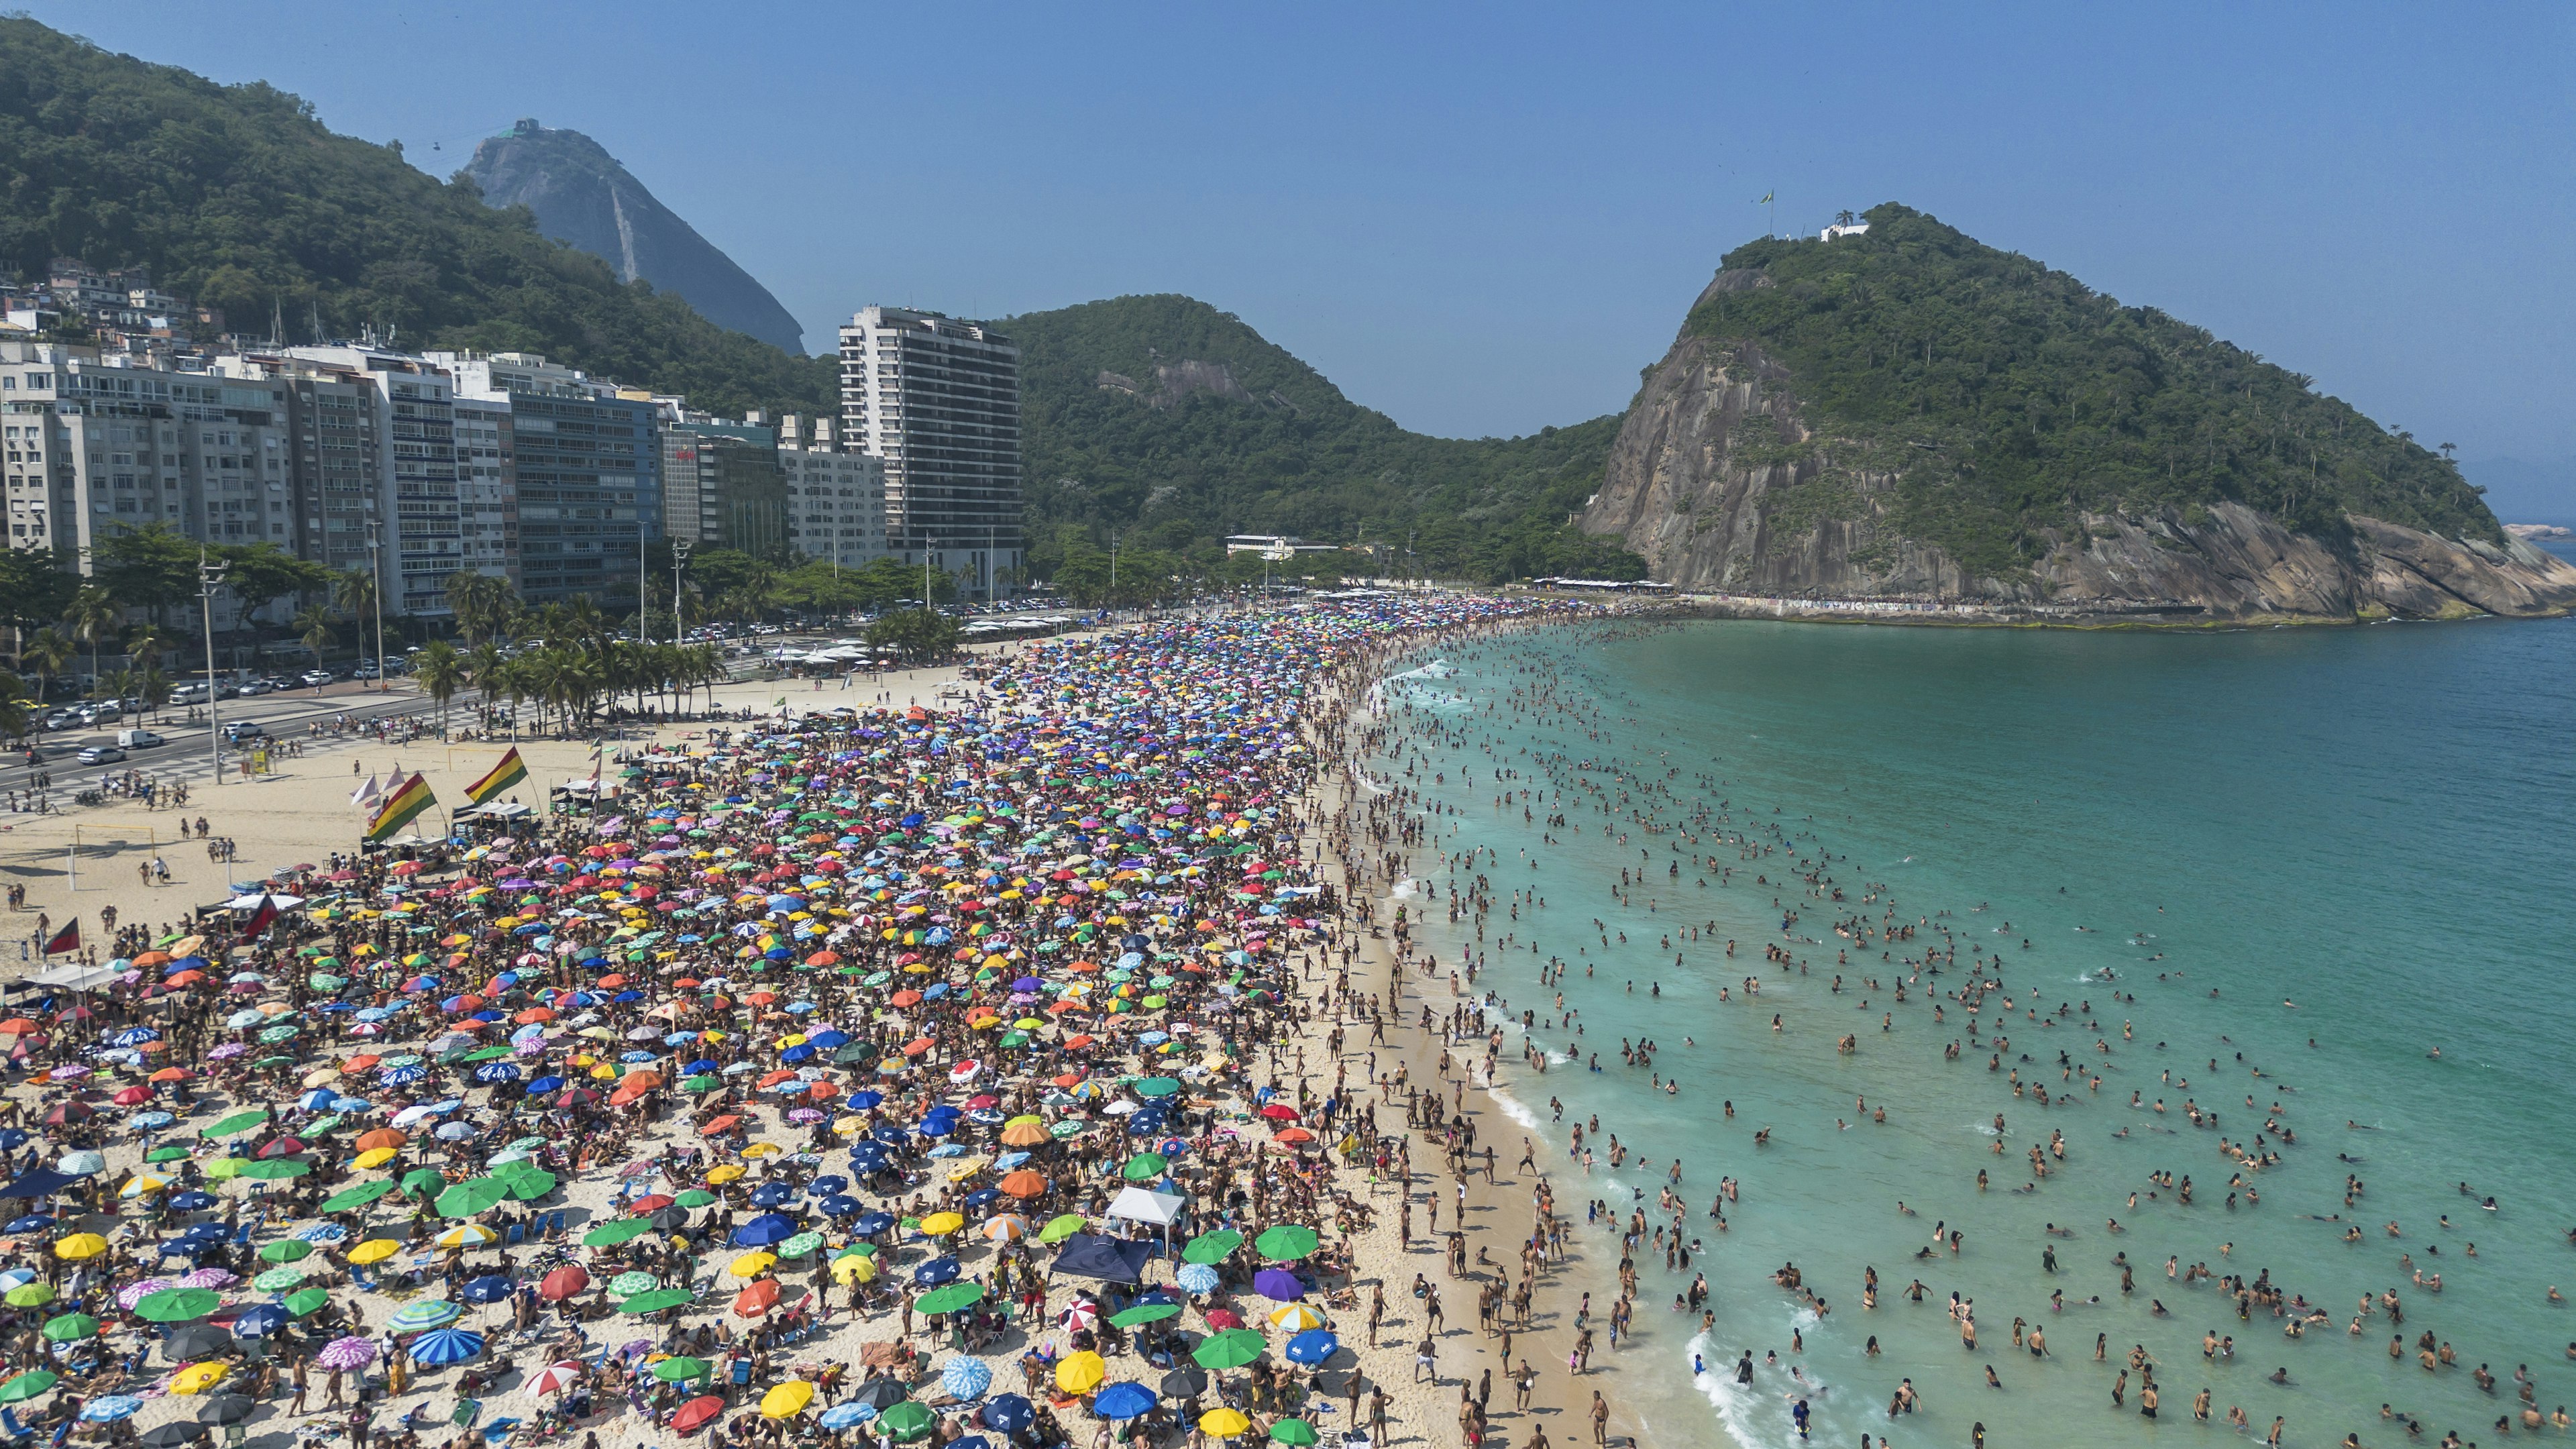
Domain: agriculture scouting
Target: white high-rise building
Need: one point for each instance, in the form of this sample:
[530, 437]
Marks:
[836, 501]
[939, 401]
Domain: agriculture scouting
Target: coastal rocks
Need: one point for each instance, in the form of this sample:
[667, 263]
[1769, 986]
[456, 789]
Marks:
[1721, 486]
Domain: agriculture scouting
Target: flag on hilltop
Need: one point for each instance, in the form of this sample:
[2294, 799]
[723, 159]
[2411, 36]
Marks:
[509, 772]
[66, 939]
[405, 801]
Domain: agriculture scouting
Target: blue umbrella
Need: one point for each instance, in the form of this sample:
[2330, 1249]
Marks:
[496, 1072]
[35, 1223]
[1008, 1413]
[764, 1230]
[259, 1319]
[543, 1085]
[108, 1408]
[1123, 1401]
[680, 1038]
[935, 1272]
[938, 1126]
[828, 1183]
[796, 1054]
[1313, 1346]
[847, 1416]
[859, 1101]
[446, 1345]
[839, 1205]
[702, 1064]
[1196, 1278]
[638, 1058]
[772, 1194]
[827, 1040]
[872, 1224]
[965, 1378]
[982, 1198]
[490, 1288]
[13, 1138]
[134, 1036]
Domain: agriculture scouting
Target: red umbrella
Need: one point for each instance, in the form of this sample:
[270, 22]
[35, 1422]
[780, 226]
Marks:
[1280, 1112]
[652, 1203]
[1223, 1318]
[68, 1112]
[563, 1282]
[132, 1096]
[280, 1147]
[575, 1096]
[757, 1299]
[696, 1412]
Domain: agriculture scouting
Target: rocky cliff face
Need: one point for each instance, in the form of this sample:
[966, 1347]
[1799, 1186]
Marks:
[1721, 486]
[581, 195]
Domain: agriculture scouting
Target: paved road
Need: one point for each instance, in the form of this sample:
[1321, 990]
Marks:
[186, 756]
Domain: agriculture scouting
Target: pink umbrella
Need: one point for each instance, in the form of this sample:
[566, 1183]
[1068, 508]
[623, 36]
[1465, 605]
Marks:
[226, 1052]
[347, 1353]
[133, 1293]
[76, 1071]
[209, 1278]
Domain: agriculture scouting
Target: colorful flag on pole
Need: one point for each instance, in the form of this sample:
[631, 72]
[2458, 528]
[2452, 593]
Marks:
[509, 772]
[406, 801]
[66, 939]
[261, 918]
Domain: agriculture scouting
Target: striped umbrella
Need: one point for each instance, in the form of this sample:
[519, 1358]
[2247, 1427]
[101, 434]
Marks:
[352, 1352]
[965, 1378]
[554, 1378]
[1196, 1278]
[427, 1313]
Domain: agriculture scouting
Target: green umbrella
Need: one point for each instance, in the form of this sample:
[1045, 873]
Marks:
[422, 1179]
[166, 1154]
[1146, 1313]
[274, 1168]
[308, 1301]
[357, 1197]
[905, 1421]
[799, 1245]
[530, 1185]
[1232, 1348]
[1067, 1129]
[320, 1125]
[1286, 1244]
[286, 1250]
[70, 1326]
[703, 1082]
[178, 1305]
[238, 1123]
[1145, 1167]
[27, 1385]
[657, 1300]
[697, 1197]
[279, 1279]
[609, 1233]
[489, 1053]
[280, 1033]
[1293, 1431]
[1211, 1248]
[1059, 1229]
[949, 1299]
[224, 1168]
[30, 1295]
[680, 1370]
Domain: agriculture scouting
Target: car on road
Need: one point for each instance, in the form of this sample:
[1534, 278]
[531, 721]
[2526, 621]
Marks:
[138, 739]
[316, 678]
[105, 709]
[246, 729]
[100, 755]
[61, 719]
[251, 687]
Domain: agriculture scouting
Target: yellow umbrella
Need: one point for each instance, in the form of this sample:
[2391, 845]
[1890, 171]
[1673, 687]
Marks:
[762, 1149]
[1080, 1372]
[940, 1225]
[787, 1400]
[1295, 1317]
[80, 1247]
[863, 1270]
[1224, 1423]
[320, 1078]
[724, 1172]
[142, 1184]
[374, 1250]
[752, 1265]
[467, 1235]
[196, 1378]
[374, 1157]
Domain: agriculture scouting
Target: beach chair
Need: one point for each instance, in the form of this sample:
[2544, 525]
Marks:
[11, 1431]
[518, 1233]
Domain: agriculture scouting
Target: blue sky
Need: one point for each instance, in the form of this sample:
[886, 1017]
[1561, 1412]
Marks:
[1486, 218]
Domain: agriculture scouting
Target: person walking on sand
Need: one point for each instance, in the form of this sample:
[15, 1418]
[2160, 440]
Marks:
[1600, 1418]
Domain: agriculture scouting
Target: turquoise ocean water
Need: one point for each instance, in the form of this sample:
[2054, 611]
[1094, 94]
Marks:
[2372, 823]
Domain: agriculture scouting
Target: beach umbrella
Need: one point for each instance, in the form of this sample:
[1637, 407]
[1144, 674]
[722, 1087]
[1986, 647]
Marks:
[357, 1197]
[845, 1416]
[965, 1378]
[445, 1346]
[787, 1400]
[696, 1413]
[286, 1250]
[554, 1378]
[473, 1196]
[1230, 1348]
[680, 1370]
[467, 1235]
[1295, 1432]
[261, 1319]
[907, 1421]
[203, 1340]
[1196, 1278]
[1008, 1413]
[226, 1409]
[108, 1408]
[563, 1283]
[1286, 1244]
[1144, 1313]
[373, 1251]
[80, 1247]
[1295, 1317]
[1223, 1423]
[1080, 1372]
[424, 1314]
[1123, 1401]
[619, 1230]
[178, 1305]
[196, 1378]
[173, 1434]
[657, 1300]
[1278, 1285]
[347, 1353]
[490, 1288]
[949, 1299]
[1312, 1347]
[1212, 1247]
[881, 1393]
[28, 1385]
[311, 1300]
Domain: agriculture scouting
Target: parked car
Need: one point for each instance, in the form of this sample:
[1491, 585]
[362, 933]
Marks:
[100, 755]
[250, 687]
[316, 678]
[247, 729]
[366, 671]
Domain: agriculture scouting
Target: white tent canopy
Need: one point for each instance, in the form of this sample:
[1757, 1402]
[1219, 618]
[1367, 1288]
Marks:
[1138, 1205]
[77, 978]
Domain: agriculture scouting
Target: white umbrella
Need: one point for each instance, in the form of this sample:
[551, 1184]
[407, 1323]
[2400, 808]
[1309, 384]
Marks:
[554, 1378]
[80, 1164]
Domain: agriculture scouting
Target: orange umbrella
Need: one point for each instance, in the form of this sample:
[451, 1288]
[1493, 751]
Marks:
[154, 958]
[612, 981]
[719, 1126]
[640, 1079]
[1293, 1136]
[905, 998]
[170, 1074]
[382, 1137]
[774, 1078]
[185, 978]
[823, 1091]
[1022, 1183]
[20, 1024]
[533, 1015]
[757, 1299]
[762, 998]
[916, 1046]
[1027, 1134]
[360, 1062]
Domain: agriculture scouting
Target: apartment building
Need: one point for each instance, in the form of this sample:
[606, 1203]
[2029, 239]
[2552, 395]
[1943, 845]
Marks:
[836, 501]
[938, 401]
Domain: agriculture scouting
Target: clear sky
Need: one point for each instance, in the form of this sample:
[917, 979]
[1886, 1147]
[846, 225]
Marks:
[1486, 218]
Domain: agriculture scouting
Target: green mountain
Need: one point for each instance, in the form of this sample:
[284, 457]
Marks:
[1907, 411]
[1165, 417]
[236, 196]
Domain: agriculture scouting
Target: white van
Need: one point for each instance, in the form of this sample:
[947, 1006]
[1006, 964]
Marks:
[138, 739]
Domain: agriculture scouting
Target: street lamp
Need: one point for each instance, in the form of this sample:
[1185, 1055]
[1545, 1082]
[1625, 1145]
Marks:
[210, 577]
[376, 569]
[679, 561]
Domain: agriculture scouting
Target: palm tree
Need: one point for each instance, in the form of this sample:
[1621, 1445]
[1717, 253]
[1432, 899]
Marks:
[354, 591]
[13, 705]
[93, 617]
[154, 686]
[312, 624]
[440, 669]
[48, 652]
